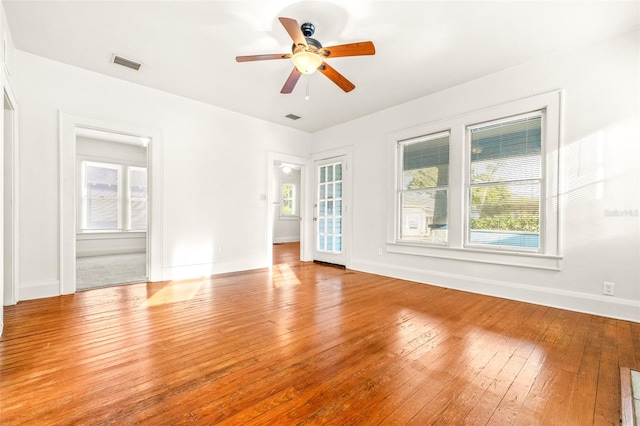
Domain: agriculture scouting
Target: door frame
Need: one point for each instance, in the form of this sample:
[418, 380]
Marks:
[10, 289]
[347, 196]
[306, 243]
[68, 192]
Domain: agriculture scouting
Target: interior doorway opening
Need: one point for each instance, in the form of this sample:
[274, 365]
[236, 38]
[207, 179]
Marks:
[287, 212]
[112, 208]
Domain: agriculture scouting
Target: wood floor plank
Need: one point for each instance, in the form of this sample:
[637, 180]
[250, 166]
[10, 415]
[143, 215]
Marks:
[307, 344]
[607, 404]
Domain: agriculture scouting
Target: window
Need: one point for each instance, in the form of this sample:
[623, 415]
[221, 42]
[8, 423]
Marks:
[113, 197]
[101, 196]
[137, 201]
[505, 182]
[481, 187]
[288, 199]
[423, 187]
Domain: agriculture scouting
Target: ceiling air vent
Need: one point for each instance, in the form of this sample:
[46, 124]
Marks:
[292, 116]
[126, 63]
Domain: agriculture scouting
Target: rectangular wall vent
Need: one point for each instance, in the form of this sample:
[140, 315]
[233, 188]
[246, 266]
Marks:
[126, 62]
[292, 116]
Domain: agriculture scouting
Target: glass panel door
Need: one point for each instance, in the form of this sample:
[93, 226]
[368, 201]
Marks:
[329, 211]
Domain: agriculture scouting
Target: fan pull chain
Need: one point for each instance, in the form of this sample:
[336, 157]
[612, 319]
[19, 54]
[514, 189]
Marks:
[306, 93]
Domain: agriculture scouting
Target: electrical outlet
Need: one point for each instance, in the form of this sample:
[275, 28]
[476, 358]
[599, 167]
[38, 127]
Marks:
[608, 288]
[379, 252]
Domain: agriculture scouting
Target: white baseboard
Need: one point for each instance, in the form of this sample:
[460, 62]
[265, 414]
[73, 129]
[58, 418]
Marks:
[277, 240]
[605, 306]
[184, 272]
[110, 251]
[39, 290]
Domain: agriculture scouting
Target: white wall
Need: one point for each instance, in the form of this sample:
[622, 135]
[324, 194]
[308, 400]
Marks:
[286, 229]
[600, 157]
[211, 223]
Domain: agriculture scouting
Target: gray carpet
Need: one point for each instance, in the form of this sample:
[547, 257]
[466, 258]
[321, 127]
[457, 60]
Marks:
[103, 271]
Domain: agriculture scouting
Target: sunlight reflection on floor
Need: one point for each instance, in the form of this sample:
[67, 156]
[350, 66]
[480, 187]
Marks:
[173, 292]
[283, 276]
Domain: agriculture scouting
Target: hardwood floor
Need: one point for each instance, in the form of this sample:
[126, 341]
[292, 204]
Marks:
[307, 344]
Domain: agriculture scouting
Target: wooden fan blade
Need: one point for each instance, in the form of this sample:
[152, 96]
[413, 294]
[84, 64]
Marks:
[251, 58]
[292, 27]
[351, 49]
[291, 81]
[336, 77]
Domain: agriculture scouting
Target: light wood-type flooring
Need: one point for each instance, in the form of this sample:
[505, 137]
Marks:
[307, 344]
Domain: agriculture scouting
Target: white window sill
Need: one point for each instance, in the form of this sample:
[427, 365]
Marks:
[289, 218]
[520, 259]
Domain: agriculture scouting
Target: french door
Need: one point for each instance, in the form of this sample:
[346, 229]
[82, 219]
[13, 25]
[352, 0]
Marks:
[329, 211]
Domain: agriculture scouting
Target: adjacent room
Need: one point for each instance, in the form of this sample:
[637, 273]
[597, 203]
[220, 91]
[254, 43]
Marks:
[312, 212]
[111, 243]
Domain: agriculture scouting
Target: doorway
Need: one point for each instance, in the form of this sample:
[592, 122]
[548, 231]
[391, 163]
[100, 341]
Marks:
[286, 208]
[70, 124]
[331, 201]
[112, 208]
[329, 211]
[287, 216]
[9, 213]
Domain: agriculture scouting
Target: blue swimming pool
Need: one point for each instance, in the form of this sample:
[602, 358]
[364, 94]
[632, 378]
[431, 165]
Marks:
[502, 238]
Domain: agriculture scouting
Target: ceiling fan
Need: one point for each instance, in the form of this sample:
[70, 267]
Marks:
[308, 55]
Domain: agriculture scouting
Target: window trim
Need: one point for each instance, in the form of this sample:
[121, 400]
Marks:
[294, 214]
[549, 257]
[400, 147]
[129, 199]
[123, 195]
[82, 223]
[541, 180]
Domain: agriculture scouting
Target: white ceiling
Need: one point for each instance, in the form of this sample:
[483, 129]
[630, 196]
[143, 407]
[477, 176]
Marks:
[189, 47]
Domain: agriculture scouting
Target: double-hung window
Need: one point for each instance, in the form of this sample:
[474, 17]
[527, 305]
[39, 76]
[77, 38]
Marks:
[481, 187]
[288, 199]
[101, 196]
[423, 185]
[113, 197]
[137, 200]
[505, 182]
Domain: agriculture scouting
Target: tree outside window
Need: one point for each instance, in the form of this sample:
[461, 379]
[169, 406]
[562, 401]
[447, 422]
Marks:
[288, 199]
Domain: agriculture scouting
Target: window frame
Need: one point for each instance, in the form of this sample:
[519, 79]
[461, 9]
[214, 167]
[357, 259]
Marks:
[124, 191]
[401, 144]
[129, 199]
[540, 180]
[549, 256]
[294, 195]
[82, 223]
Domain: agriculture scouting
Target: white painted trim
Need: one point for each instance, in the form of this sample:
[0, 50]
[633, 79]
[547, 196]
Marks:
[305, 203]
[347, 196]
[68, 123]
[205, 270]
[521, 259]
[39, 290]
[109, 252]
[14, 296]
[607, 306]
[457, 248]
[292, 239]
